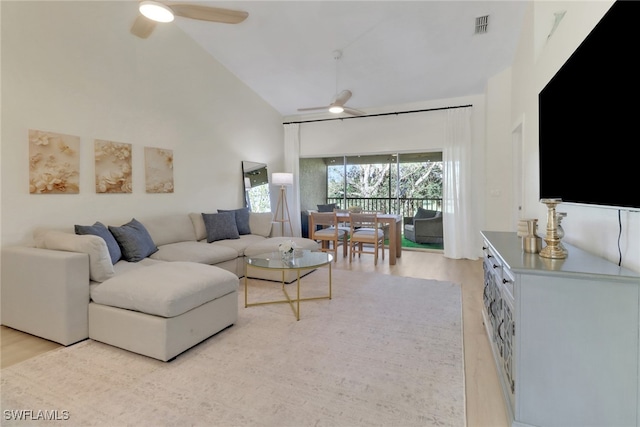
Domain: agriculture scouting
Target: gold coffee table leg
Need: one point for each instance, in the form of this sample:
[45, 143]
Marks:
[298, 284]
[245, 286]
[294, 307]
[329, 280]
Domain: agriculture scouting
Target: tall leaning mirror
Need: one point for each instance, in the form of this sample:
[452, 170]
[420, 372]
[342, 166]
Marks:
[255, 180]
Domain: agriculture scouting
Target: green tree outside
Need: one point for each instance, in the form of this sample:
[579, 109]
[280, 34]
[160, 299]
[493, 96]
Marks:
[421, 180]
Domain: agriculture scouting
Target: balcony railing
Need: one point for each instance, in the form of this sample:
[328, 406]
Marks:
[403, 206]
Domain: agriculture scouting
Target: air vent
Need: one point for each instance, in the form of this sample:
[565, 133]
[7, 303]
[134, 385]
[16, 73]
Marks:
[482, 22]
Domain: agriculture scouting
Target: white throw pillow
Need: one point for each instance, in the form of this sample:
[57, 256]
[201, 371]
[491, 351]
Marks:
[260, 223]
[198, 225]
[100, 266]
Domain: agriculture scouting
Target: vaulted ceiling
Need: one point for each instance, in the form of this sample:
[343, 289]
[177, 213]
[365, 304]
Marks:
[393, 52]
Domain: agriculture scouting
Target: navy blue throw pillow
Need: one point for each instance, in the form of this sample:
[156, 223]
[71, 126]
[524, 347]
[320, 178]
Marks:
[242, 219]
[220, 226]
[134, 240]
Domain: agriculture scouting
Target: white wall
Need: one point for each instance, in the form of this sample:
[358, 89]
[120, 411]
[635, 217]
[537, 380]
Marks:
[590, 228]
[498, 191]
[74, 68]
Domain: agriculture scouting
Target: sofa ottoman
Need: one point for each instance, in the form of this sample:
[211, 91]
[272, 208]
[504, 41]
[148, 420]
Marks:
[163, 309]
[271, 245]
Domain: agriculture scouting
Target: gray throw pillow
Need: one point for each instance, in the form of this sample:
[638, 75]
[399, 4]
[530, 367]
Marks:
[242, 219]
[327, 208]
[101, 230]
[134, 240]
[220, 226]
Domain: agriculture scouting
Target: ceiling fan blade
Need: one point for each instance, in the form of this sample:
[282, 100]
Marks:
[142, 27]
[353, 111]
[342, 98]
[313, 108]
[206, 13]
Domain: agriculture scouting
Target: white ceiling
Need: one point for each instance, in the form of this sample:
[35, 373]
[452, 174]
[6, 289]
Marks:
[394, 52]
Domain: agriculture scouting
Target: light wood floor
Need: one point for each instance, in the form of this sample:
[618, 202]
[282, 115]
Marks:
[484, 401]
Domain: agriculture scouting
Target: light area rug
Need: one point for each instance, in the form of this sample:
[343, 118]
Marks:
[384, 351]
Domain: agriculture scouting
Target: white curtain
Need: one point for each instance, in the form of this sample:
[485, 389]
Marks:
[461, 235]
[292, 165]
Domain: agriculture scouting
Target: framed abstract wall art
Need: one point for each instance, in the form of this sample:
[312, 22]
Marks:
[113, 167]
[158, 170]
[54, 163]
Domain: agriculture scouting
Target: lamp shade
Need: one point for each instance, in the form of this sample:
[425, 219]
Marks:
[282, 178]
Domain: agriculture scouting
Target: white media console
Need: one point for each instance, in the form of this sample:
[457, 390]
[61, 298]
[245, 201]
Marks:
[565, 335]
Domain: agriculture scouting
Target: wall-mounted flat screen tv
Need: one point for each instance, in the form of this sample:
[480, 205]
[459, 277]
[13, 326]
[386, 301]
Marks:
[589, 116]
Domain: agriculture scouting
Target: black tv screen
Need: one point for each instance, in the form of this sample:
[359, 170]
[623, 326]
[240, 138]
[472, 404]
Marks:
[589, 113]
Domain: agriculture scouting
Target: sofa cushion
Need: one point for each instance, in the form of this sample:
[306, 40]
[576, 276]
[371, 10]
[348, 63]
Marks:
[165, 289]
[40, 232]
[239, 245]
[242, 219]
[123, 266]
[101, 230]
[134, 240]
[220, 226]
[167, 229]
[200, 252]
[100, 266]
[261, 223]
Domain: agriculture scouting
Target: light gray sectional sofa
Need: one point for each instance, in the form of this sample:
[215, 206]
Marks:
[181, 288]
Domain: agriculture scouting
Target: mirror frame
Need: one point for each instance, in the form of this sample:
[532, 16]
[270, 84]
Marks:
[252, 171]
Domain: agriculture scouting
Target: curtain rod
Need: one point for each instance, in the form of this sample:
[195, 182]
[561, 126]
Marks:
[380, 114]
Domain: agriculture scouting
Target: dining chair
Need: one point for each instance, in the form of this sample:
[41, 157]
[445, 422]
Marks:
[342, 223]
[330, 234]
[365, 232]
[383, 227]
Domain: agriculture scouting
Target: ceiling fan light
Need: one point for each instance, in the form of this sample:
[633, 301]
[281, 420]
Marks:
[156, 11]
[336, 109]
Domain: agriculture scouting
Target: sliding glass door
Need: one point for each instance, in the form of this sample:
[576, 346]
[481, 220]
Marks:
[369, 182]
[394, 183]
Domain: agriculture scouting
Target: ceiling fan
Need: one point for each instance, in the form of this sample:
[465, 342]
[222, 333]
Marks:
[337, 106]
[155, 11]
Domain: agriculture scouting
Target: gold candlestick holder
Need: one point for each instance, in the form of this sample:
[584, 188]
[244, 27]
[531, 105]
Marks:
[554, 248]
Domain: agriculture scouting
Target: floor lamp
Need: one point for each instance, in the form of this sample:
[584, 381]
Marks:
[283, 179]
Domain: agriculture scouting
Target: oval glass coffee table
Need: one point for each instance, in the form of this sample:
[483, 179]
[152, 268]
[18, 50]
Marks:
[300, 261]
